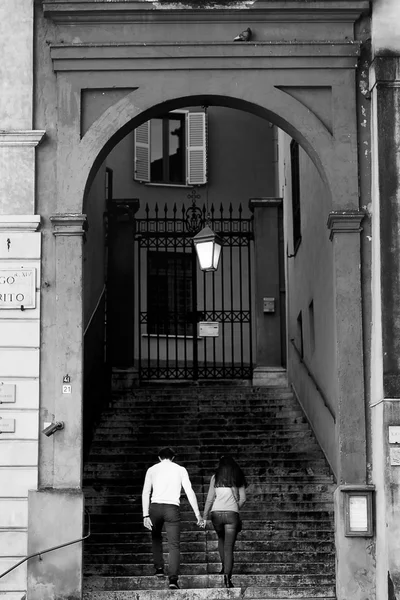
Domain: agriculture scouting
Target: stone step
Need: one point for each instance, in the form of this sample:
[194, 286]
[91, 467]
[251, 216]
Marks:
[203, 567]
[199, 462]
[213, 557]
[202, 594]
[182, 594]
[96, 495]
[214, 442]
[278, 527]
[97, 582]
[110, 474]
[204, 416]
[204, 410]
[297, 593]
[250, 541]
[279, 534]
[203, 392]
[99, 453]
[197, 428]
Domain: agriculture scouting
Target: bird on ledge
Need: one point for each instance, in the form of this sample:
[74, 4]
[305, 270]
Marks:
[245, 36]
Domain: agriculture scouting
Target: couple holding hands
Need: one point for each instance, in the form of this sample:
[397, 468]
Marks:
[160, 502]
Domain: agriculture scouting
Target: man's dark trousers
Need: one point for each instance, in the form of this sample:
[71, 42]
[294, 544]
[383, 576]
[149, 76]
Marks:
[168, 514]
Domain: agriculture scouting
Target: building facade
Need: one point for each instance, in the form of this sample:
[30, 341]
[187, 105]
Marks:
[303, 134]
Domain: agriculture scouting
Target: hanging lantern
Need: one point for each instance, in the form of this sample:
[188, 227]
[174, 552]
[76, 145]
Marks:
[208, 247]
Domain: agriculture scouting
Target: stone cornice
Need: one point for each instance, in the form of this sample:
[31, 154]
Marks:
[264, 203]
[23, 223]
[198, 55]
[345, 221]
[21, 138]
[69, 224]
[274, 10]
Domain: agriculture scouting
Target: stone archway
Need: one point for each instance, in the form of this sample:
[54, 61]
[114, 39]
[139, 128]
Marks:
[307, 90]
[331, 153]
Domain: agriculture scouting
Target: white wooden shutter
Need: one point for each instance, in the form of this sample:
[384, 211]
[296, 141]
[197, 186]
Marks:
[196, 148]
[142, 152]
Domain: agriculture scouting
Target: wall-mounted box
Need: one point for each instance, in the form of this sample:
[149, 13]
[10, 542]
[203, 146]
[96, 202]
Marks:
[269, 305]
[208, 329]
[358, 511]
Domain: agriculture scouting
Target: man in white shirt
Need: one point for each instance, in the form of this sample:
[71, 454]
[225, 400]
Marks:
[164, 482]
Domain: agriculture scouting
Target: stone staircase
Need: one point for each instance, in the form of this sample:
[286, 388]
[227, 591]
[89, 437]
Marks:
[286, 549]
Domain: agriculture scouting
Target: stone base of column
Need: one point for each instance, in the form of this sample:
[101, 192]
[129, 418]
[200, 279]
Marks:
[55, 517]
[355, 558]
[270, 377]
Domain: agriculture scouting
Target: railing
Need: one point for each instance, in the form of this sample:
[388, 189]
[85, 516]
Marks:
[311, 376]
[39, 554]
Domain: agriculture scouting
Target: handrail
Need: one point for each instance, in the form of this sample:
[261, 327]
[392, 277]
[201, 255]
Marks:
[39, 554]
[311, 376]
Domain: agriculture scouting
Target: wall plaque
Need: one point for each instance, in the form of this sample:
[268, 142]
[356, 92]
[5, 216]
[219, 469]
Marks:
[394, 434]
[208, 329]
[17, 288]
[7, 425]
[7, 393]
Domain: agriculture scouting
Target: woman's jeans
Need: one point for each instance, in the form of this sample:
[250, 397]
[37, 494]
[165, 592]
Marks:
[226, 524]
[169, 515]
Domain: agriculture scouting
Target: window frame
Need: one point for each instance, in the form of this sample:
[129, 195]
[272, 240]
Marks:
[161, 277]
[296, 194]
[194, 156]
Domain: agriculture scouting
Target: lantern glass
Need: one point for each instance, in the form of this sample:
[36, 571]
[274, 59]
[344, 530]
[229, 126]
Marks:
[208, 248]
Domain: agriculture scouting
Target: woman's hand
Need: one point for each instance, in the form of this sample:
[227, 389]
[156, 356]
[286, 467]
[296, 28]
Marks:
[201, 523]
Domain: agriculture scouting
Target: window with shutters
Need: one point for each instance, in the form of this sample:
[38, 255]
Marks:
[171, 149]
[295, 167]
[169, 293]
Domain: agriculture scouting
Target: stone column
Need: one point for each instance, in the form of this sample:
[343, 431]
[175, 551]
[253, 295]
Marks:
[268, 281]
[354, 560]
[385, 377]
[56, 513]
[345, 228]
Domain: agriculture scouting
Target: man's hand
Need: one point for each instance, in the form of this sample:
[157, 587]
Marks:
[147, 523]
[201, 522]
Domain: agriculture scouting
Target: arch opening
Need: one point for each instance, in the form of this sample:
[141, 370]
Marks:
[113, 134]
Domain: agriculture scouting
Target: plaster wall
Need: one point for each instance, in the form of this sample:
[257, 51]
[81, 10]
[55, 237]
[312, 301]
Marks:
[20, 247]
[16, 72]
[240, 154]
[309, 279]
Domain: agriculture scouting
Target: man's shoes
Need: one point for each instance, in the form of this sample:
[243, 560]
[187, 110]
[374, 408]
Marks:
[173, 583]
[159, 572]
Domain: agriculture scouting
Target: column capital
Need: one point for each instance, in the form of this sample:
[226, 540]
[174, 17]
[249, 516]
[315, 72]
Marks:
[345, 221]
[21, 138]
[264, 203]
[69, 224]
[22, 223]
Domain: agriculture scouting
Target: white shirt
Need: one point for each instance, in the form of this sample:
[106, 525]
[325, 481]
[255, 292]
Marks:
[164, 482]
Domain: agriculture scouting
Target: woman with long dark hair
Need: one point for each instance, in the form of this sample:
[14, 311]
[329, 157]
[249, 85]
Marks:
[225, 498]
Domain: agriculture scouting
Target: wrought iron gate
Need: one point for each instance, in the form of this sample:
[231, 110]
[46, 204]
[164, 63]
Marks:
[176, 302]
